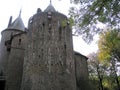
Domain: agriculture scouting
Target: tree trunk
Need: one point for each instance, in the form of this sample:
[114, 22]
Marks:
[99, 77]
[115, 73]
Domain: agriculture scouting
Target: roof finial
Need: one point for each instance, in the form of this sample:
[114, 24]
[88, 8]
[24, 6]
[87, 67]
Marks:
[20, 12]
[50, 1]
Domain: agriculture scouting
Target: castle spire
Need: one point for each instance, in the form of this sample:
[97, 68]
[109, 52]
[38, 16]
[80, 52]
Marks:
[20, 13]
[50, 2]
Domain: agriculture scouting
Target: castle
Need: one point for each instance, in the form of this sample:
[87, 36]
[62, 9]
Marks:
[40, 57]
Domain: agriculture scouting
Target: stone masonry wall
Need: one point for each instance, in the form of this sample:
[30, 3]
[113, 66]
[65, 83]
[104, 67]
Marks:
[81, 71]
[49, 61]
[6, 35]
[15, 62]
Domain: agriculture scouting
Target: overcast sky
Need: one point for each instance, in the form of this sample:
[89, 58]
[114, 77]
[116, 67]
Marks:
[29, 7]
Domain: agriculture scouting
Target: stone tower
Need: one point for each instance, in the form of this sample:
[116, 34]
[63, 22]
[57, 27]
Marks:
[12, 56]
[16, 56]
[41, 57]
[13, 28]
[49, 61]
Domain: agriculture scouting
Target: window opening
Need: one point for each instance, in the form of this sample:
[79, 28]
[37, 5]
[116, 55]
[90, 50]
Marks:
[19, 41]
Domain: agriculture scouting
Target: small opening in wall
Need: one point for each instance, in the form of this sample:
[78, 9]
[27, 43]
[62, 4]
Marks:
[1, 73]
[43, 24]
[60, 33]
[19, 41]
[65, 46]
[8, 45]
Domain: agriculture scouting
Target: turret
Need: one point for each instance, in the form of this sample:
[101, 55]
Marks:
[15, 61]
[13, 46]
[5, 46]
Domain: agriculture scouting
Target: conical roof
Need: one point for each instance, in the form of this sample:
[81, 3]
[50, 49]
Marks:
[50, 8]
[17, 24]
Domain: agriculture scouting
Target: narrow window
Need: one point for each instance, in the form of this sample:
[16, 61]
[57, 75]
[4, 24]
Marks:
[39, 56]
[19, 41]
[8, 45]
[65, 47]
[60, 33]
[43, 24]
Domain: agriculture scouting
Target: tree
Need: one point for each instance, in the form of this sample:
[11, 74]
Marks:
[97, 70]
[103, 75]
[88, 13]
[109, 50]
[109, 45]
[114, 71]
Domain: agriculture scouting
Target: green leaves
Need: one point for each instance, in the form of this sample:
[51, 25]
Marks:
[109, 44]
[102, 19]
[71, 21]
[91, 12]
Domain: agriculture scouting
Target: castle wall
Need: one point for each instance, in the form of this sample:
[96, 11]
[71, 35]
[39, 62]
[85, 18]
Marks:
[42, 58]
[49, 61]
[6, 35]
[15, 62]
[81, 71]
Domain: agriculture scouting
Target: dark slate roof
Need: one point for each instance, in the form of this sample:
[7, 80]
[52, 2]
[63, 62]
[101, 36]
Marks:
[77, 53]
[50, 8]
[17, 24]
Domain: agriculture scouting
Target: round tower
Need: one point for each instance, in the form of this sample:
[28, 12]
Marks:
[6, 40]
[15, 62]
[49, 62]
[13, 45]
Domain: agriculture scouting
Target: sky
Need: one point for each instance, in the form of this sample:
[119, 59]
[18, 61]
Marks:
[29, 7]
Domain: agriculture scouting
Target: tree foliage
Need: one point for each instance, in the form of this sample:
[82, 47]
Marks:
[109, 45]
[88, 13]
[103, 75]
[97, 71]
[109, 50]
